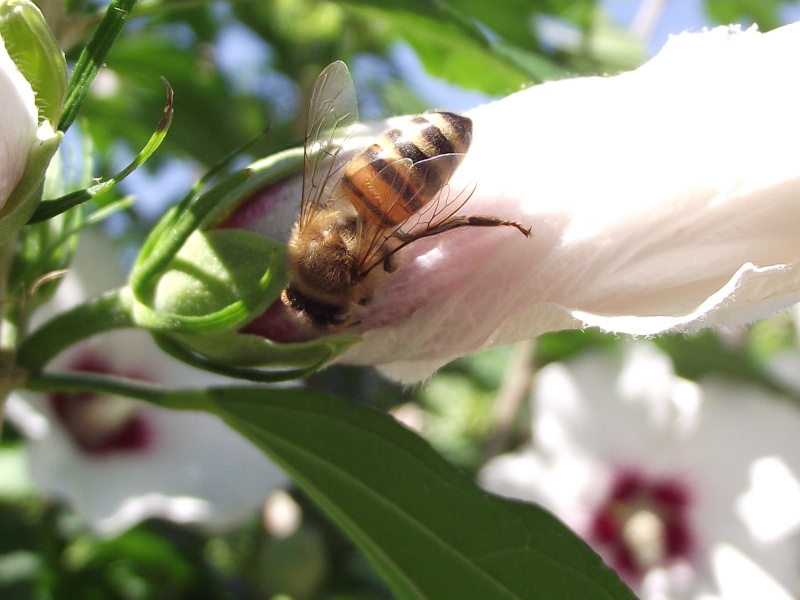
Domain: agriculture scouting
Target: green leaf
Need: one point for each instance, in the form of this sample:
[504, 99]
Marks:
[431, 532]
[428, 530]
[451, 46]
[707, 354]
[93, 57]
[764, 12]
[50, 208]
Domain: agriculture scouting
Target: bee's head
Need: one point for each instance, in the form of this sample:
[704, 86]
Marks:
[321, 254]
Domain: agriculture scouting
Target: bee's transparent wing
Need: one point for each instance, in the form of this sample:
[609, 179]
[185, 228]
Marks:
[331, 112]
[427, 201]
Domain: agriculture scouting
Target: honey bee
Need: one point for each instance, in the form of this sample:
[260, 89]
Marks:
[357, 214]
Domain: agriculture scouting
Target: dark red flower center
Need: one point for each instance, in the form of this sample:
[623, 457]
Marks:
[100, 424]
[643, 523]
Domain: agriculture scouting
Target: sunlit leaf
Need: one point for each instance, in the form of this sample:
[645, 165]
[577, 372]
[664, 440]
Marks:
[430, 531]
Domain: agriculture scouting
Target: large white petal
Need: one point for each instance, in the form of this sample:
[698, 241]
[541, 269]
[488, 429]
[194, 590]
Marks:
[666, 198]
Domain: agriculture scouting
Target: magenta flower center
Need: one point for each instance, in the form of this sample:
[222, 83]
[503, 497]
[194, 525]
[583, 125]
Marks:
[643, 524]
[100, 424]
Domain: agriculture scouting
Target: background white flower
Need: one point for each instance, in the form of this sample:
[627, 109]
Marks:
[116, 461]
[685, 489]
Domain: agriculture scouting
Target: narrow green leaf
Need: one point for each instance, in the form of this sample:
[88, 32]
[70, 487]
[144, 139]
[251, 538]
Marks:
[93, 57]
[50, 208]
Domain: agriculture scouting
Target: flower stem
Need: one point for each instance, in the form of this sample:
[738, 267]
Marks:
[9, 328]
[178, 399]
[511, 396]
[104, 313]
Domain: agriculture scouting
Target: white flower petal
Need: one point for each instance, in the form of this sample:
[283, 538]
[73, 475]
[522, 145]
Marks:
[771, 508]
[135, 509]
[18, 124]
[661, 199]
[740, 578]
[570, 484]
[195, 468]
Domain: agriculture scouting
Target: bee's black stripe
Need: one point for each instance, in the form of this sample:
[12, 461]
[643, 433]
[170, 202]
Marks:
[380, 215]
[461, 126]
[434, 136]
[398, 181]
[410, 150]
[429, 177]
[405, 148]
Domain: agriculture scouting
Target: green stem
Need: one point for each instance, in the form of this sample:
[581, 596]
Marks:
[105, 313]
[9, 331]
[9, 327]
[179, 399]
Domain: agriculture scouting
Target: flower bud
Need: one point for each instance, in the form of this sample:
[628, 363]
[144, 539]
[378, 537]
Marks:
[200, 282]
[33, 79]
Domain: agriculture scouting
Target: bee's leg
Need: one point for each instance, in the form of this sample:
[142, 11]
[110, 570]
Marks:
[388, 254]
[452, 223]
[473, 221]
[403, 236]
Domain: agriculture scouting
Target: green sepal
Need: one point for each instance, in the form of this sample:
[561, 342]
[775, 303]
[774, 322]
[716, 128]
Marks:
[270, 362]
[35, 51]
[219, 279]
[202, 210]
[248, 350]
[22, 202]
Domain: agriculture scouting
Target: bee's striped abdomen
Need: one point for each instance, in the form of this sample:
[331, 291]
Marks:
[394, 178]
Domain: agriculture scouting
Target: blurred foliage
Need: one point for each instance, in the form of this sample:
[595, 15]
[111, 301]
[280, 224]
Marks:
[764, 12]
[240, 68]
